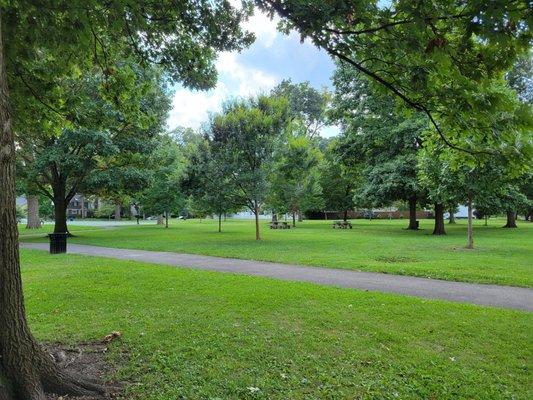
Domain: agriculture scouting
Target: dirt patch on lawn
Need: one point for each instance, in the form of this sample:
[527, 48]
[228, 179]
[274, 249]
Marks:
[87, 360]
[395, 259]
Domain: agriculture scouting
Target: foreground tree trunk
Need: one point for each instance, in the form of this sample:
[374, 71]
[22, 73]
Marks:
[511, 219]
[470, 235]
[60, 212]
[26, 371]
[34, 221]
[439, 220]
[412, 214]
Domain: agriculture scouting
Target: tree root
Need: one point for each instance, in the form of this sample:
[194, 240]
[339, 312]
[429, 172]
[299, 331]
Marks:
[64, 384]
[54, 381]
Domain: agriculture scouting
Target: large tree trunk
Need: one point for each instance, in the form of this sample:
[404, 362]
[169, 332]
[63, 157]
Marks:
[26, 371]
[470, 230]
[60, 213]
[412, 214]
[511, 219]
[34, 221]
[345, 216]
[439, 220]
[256, 213]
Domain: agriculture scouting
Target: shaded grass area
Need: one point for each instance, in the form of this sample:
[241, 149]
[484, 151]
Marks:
[49, 228]
[205, 335]
[502, 256]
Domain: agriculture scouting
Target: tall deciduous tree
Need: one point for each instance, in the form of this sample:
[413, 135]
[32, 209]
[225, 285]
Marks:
[105, 152]
[340, 176]
[163, 196]
[381, 139]
[182, 37]
[307, 105]
[207, 179]
[245, 137]
[433, 55]
[295, 186]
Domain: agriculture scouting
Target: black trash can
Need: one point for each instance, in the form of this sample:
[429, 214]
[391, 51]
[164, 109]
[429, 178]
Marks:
[58, 243]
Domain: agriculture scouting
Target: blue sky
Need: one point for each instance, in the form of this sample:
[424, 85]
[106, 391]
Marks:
[272, 58]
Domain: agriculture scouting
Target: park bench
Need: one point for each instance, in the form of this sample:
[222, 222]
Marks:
[279, 225]
[342, 224]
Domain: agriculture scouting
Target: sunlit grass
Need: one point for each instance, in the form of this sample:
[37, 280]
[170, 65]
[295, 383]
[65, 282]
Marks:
[502, 256]
[204, 335]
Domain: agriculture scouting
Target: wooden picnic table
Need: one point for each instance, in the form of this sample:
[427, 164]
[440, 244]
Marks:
[342, 224]
[279, 225]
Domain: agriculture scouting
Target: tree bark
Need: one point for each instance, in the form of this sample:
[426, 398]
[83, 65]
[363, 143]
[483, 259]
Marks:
[219, 222]
[166, 219]
[345, 216]
[256, 213]
[60, 214]
[294, 220]
[26, 371]
[34, 221]
[118, 209]
[439, 220]
[451, 219]
[511, 219]
[470, 230]
[412, 214]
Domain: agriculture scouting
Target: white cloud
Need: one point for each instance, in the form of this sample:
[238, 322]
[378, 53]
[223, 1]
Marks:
[238, 78]
[264, 28]
[244, 80]
[192, 108]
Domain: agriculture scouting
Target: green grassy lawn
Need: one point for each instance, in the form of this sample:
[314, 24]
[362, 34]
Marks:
[49, 228]
[205, 335]
[502, 256]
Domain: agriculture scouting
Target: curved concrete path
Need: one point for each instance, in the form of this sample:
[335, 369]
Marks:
[487, 295]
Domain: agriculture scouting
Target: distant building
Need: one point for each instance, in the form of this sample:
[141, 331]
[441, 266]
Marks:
[80, 207]
[462, 212]
[247, 214]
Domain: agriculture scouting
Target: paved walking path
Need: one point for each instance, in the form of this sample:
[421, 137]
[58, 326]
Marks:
[487, 295]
